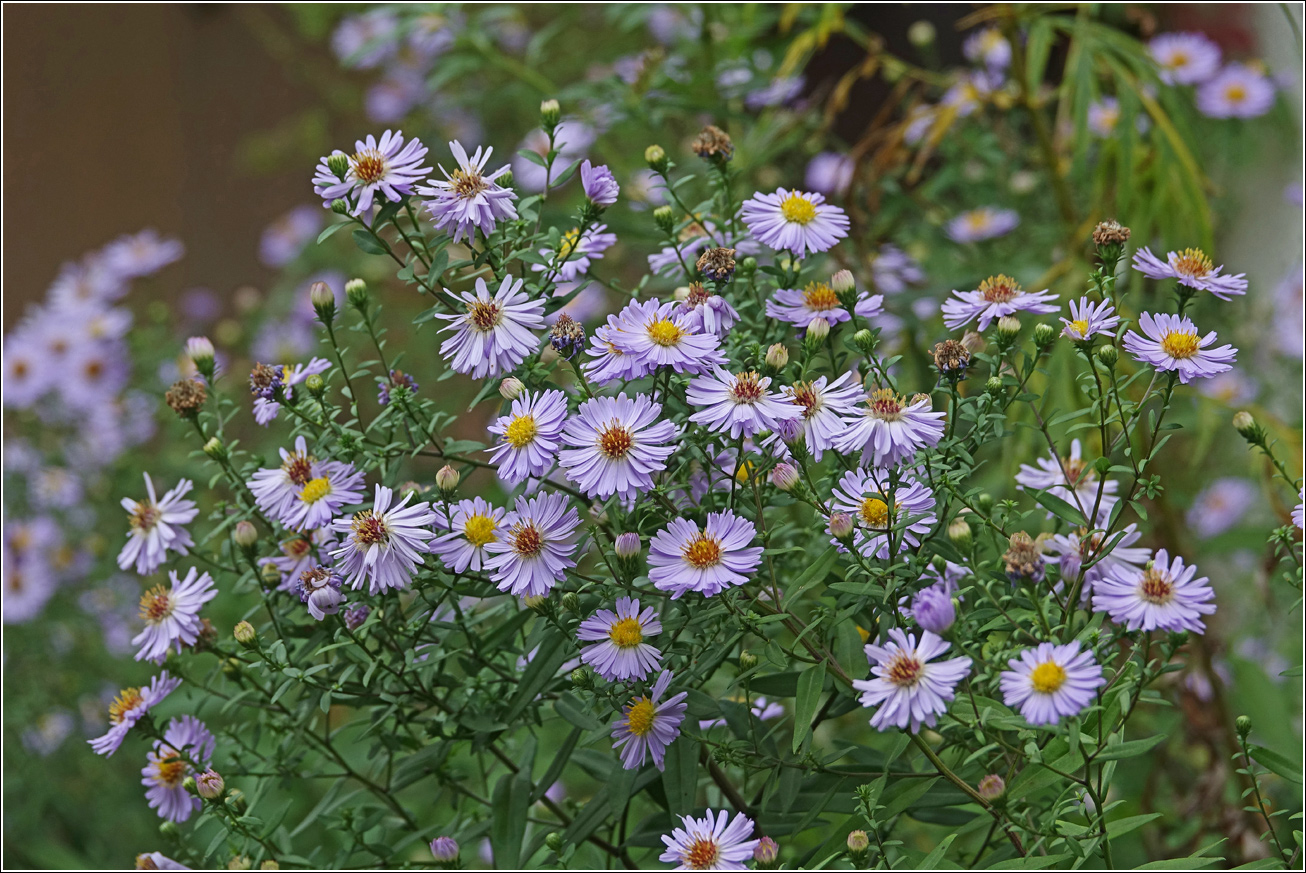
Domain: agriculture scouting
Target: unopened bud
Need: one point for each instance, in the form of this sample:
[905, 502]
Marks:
[993, 385]
[1108, 355]
[581, 679]
[244, 534]
[315, 385]
[554, 842]
[921, 33]
[1008, 329]
[973, 342]
[571, 602]
[189, 785]
[447, 479]
[665, 219]
[865, 340]
[766, 853]
[270, 575]
[356, 294]
[506, 180]
[209, 784]
[338, 164]
[1044, 335]
[858, 843]
[511, 388]
[236, 800]
[200, 351]
[817, 330]
[656, 158]
[444, 849]
[340, 206]
[747, 660]
[1244, 726]
[170, 830]
[269, 864]
[748, 266]
[959, 533]
[991, 787]
[240, 862]
[538, 603]
[245, 634]
[785, 476]
[843, 282]
[1247, 427]
[550, 114]
[985, 503]
[841, 525]
[777, 356]
[215, 449]
[323, 300]
[628, 545]
[933, 610]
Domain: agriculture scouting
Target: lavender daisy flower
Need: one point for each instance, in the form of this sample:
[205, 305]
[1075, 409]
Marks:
[285, 238]
[1088, 319]
[305, 493]
[995, 297]
[893, 270]
[27, 373]
[649, 724]
[171, 615]
[129, 707]
[1237, 91]
[475, 523]
[622, 654]
[655, 336]
[709, 843]
[891, 429]
[600, 185]
[609, 363]
[157, 861]
[684, 558]
[705, 311]
[1080, 547]
[1051, 682]
[1164, 596]
[988, 47]
[468, 199]
[156, 527]
[319, 590]
[910, 690]
[266, 380]
[824, 407]
[933, 609]
[830, 174]
[186, 741]
[142, 254]
[529, 436]
[738, 403]
[1072, 479]
[536, 551]
[1103, 117]
[1233, 389]
[983, 223]
[384, 544]
[817, 300]
[576, 253]
[365, 41]
[1184, 58]
[1220, 506]
[1297, 512]
[794, 221]
[866, 494]
[299, 553]
[388, 167]
[1191, 268]
[1172, 344]
[619, 444]
[781, 91]
[494, 334]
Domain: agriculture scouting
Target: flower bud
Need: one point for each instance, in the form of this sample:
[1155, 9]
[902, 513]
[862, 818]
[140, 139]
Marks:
[244, 534]
[843, 282]
[170, 830]
[777, 356]
[269, 864]
[581, 679]
[571, 602]
[665, 219]
[323, 300]
[209, 784]
[817, 330]
[270, 575]
[554, 842]
[189, 785]
[511, 388]
[1247, 426]
[656, 158]
[316, 385]
[1044, 335]
[245, 634]
[841, 525]
[538, 603]
[1108, 355]
[236, 800]
[985, 503]
[200, 351]
[858, 843]
[628, 545]
[444, 849]
[865, 340]
[973, 342]
[215, 449]
[1244, 726]
[785, 476]
[1008, 329]
[240, 862]
[355, 616]
[933, 610]
[356, 294]
[338, 163]
[747, 660]
[921, 33]
[748, 266]
[550, 114]
[993, 385]
[340, 206]
[506, 179]
[766, 853]
[960, 534]
[447, 479]
[991, 787]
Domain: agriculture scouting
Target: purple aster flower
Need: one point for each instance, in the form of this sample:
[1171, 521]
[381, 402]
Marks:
[600, 185]
[27, 372]
[156, 527]
[607, 362]
[909, 689]
[709, 843]
[1072, 479]
[1051, 682]
[995, 297]
[364, 41]
[285, 238]
[388, 167]
[171, 615]
[967, 94]
[794, 221]
[649, 724]
[1088, 319]
[494, 334]
[988, 47]
[1104, 117]
[781, 91]
[1191, 268]
[186, 744]
[1237, 91]
[762, 710]
[265, 381]
[824, 407]
[1184, 58]
[893, 270]
[618, 444]
[536, 551]
[576, 253]
[655, 336]
[300, 553]
[474, 524]
[738, 403]
[94, 374]
[983, 223]
[705, 311]
[933, 610]
[141, 254]
[1220, 506]
[444, 849]
[319, 590]
[622, 653]
[86, 281]
[890, 429]
[398, 92]
[384, 544]
[1163, 596]
[157, 861]
[29, 583]
[817, 300]
[684, 558]
[1080, 547]
[468, 199]
[529, 436]
[48, 732]
[830, 174]
[867, 494]
[1297, 512]
[1172, 344]
[395, 379]
[1233, 388]
[354, 616]
[305, 493]
[129, 707]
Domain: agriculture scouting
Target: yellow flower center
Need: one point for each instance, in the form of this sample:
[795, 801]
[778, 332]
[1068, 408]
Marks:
[369, 166]
[1156, 587]
[479, 530]
[875, 512]
[1235, 93]
[520, 431]
[797, 209]
[820, 297]
[1080, 326]
[156, 605]
[1193, 263]
[999, 288]
[1179, 345]
[627, 633]
[664, 332]
[1048, 677]
[1178, 61]
[467, 185]
[640, 717]
[316, 490]
[702, 854]
[171, 772]
[127, 700]
[568, 243]
[744, 472]
[703, 552]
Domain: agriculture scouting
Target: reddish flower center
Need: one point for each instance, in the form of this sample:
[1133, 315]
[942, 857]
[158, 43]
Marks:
[369, 166]
[296, 548]
[156, 605]
[1075, 469]
[999, 289]
[526, 540]
[697, 295]
[747, 388]
[702, 854]
[804, 394]
[905, 670]
[886, 405]
[1192, 263]
[615, 441]
[1156, 587]
[145, 516]
[483, 316]
[299, 468]
[369, 528]
[468, 183]
[703, 552]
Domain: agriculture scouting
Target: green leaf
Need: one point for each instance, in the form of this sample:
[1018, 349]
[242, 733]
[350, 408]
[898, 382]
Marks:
[542, 669]
[326, 234]
[1122, 826]
[816, 572]
[1060, 508]
[569, 707]
[809, 695]
[1131, 749]
[369, 243]
[512, 800]
[680, 776]
[1277, 763]
[932, 860]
